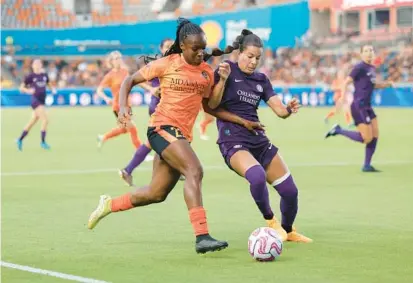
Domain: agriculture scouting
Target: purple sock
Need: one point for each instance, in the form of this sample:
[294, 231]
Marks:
[370, 149]
[43, 134]
[258, 186]
[138, 158]
[23, 135]
[353, 135]
[289, 202]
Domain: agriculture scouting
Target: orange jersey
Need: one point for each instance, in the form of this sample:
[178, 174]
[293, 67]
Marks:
[183, 87]
[114, 80]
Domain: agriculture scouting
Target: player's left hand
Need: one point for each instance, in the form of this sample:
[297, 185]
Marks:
[294, 105]
[224, 70]
[54, 91]
[124, 116]
[253, 126]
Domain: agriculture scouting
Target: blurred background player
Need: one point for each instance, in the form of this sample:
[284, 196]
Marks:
[142, 152]
[207, 119]
[170, 132]
[363, 76]
[35, 85]
[252, 155]
[113, 80]
[340, 105]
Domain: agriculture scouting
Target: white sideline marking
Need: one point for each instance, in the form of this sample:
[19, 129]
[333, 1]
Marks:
[51, 273]
[206, 167]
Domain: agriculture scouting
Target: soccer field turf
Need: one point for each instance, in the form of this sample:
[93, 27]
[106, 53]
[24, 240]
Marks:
[362, 224]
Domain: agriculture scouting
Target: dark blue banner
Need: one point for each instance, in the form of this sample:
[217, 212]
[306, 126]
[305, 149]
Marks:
[275, 25]
[308, 96]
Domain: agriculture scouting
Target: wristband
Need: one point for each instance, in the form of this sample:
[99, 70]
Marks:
[289, 110]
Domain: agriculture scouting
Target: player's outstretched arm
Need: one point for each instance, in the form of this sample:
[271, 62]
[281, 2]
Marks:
[385, 84]
[281, 110]
[231, 117]
[25, 90]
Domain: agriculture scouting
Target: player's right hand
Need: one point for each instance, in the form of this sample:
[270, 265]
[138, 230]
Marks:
[224, 70]
[124, 116]
[253, 126]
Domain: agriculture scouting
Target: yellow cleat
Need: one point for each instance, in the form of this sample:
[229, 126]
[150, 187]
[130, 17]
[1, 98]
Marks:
[274, 224]
[294, 236]
[103, 209]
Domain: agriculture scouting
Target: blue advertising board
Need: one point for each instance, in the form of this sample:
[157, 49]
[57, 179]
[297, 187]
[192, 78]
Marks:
[273, 24]
[308, 96]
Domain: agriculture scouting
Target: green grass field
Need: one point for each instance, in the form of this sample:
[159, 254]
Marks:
[362, 224]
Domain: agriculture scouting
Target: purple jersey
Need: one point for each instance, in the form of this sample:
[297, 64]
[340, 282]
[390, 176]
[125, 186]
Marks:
[39, 83]
[242, 95]
[364, 77]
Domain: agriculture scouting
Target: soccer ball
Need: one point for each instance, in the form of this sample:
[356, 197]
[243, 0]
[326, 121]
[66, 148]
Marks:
[264, 244]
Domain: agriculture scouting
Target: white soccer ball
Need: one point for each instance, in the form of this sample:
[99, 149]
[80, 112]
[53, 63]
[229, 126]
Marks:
[264, 244]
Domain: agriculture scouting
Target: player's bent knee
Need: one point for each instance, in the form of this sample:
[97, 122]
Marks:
[256, 175]
[196, 173]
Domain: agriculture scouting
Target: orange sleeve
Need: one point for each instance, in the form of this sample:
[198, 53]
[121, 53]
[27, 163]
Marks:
[210, 73]
[106, 82]
[155, 69]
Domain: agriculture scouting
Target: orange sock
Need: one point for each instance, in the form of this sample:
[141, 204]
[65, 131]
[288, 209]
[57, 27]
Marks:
[331, 114]
[198, 219]
[204, 125]
[348, 117]
[134, 136]
[122, 203]
[114, 132]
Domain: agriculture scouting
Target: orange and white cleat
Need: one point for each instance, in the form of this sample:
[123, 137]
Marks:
[294, 236]
[274, 224]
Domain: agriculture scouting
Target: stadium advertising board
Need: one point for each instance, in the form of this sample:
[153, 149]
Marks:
[273, 24]
[308, 96]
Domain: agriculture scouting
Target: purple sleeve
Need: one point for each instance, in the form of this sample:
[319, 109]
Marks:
[355, 72]
[268, 90]
[28, 80]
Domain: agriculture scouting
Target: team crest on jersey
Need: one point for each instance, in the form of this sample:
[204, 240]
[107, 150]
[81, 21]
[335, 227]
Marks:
[259, 88]
[227, 132]
[205, 75]
[44, 78]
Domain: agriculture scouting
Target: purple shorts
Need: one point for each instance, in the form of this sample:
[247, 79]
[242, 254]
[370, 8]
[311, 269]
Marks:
[263, 153]
[35, 104]
[362, 115]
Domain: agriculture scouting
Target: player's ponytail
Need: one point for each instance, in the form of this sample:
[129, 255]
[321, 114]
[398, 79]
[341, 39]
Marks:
[239, 43]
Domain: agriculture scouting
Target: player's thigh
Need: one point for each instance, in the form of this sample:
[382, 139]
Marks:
[41, 112]
[34, 116]
[164, 178]
[241, 161]
[276, 169]
[375, 127]
[180, 155]
[366, 131]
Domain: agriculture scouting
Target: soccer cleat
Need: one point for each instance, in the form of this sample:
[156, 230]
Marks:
[369, 168]
[103, 209]
[274, 224]
[100, 141]
[333, 131]
[126, 177]
[149, 158]
[44, 145]
[294, 236]
[182, 178]
[205, 243]
[19, 145]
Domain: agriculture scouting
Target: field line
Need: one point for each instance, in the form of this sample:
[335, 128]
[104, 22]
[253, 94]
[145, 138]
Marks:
[50, 273]
[206, 167]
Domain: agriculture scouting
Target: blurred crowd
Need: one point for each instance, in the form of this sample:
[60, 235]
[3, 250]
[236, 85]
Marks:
[284, 66]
